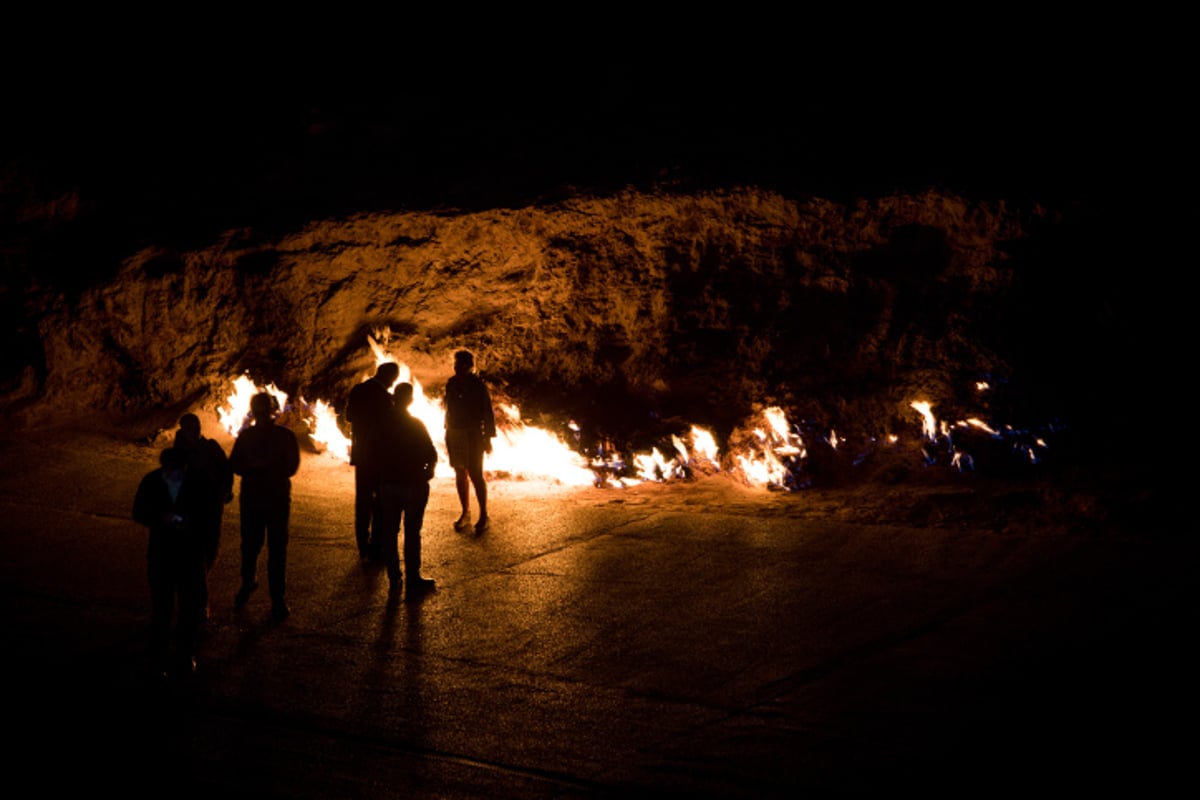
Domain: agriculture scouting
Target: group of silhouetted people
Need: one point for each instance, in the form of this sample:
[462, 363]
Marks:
[182, 501]
[394, 459]
[182, 504]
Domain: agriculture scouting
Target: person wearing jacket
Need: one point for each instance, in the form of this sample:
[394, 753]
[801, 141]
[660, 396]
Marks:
[266, 456]
[408, 461]
[178, 506]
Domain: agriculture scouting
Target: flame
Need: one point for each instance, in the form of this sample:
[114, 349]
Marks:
[925, 409]
[237, 416]
[983, 426]
[772, 458]
[777, 450]
[518, 450]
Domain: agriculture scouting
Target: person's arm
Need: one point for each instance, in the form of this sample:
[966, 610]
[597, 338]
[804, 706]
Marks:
[431, 453]
[489, 415]
[150, 504]
[291, 463]
[224, 471]
[237, 457]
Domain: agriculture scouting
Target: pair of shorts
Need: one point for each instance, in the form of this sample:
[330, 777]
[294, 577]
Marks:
[464, 448]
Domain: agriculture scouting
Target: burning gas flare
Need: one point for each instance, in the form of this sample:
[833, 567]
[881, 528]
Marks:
[774, 456]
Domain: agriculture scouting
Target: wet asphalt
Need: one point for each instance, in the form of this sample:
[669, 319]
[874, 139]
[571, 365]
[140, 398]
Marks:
[656, 641]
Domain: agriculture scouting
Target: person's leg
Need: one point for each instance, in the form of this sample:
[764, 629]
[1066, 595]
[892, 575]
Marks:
[481, 494]
[162, 600]
[253, 527]
[190, 580]
[475, 471]
[416, 499]
[463, 486]
[364, 508]
[277, 544]
[388, 530]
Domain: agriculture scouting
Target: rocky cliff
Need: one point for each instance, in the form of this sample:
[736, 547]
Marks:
[634, 314]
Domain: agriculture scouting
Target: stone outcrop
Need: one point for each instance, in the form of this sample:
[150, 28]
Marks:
[629, 313]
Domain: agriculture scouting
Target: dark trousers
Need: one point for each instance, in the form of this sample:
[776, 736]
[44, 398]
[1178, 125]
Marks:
[402, 503]
[269, 523]
[212, 546]
[366, 508]
[176, 593]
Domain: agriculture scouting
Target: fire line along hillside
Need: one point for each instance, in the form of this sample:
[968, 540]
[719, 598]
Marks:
[632, 314]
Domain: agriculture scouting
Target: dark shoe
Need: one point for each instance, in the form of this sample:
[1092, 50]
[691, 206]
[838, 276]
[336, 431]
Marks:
[243, 594]
[482, 524]
[280, 612]
[418, 587]
[462, 523]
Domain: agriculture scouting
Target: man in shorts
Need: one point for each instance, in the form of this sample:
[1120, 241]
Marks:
[470, 428]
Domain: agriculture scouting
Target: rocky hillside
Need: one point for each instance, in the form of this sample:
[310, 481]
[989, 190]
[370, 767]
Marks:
[635, 314]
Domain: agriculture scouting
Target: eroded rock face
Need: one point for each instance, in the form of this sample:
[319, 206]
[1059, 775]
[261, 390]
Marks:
[629, 313]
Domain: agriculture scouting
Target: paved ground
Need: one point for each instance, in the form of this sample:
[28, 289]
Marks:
[684, 640]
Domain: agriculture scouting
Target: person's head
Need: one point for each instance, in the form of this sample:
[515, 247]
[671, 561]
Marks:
[387, 373]
[464, 361]
[263, 407]
[403, 394]
[174, 461]
[189, 426]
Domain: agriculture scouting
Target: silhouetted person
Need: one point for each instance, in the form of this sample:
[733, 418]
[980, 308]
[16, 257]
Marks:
[208, 456]
[177, 504]
[367, 407]
[470, 428]
[409, 460]
[266, 456]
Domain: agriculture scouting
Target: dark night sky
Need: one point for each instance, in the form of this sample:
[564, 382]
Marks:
[309, 134]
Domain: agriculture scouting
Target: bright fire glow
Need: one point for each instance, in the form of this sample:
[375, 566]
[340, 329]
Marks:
[772, 457]
[767, 463]
[518, 451]
[925, 409]
[983, 426]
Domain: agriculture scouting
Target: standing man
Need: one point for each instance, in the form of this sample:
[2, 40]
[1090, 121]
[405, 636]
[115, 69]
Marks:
[367, 409]
[409, 462]
[207, 455]
[266, 456]
[470, 428]
[177, 504]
